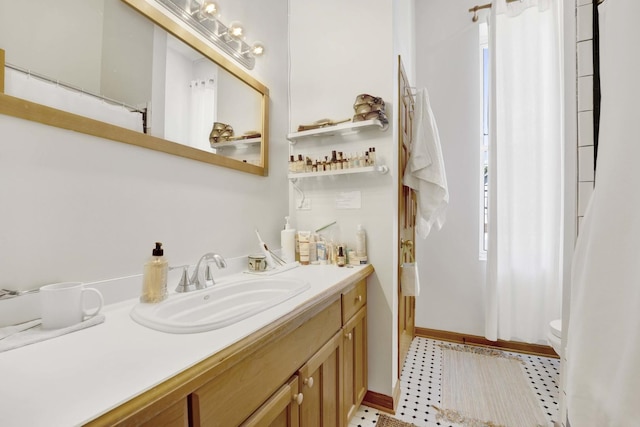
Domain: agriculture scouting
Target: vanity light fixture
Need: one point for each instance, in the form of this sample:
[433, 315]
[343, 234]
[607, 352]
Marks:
[203, 17]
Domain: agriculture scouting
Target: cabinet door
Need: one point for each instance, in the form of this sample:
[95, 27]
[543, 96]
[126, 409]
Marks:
[281, 410]
[321, 384]
[355, 363]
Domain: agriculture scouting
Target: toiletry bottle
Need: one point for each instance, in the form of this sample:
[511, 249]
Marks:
[154, 281]
[321, 249]
[361, 242]
[288, 242]
[313, 249]
[334, 161]
[303, 237]
[340, 259]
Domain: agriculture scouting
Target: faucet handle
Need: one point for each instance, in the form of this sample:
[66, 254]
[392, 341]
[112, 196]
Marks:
[185, 285]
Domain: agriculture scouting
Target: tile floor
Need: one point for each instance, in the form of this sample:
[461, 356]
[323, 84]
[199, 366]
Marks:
[421, 379]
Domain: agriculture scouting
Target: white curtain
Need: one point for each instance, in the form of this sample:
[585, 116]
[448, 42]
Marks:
[33, 89]
[202, 112]
[524, 270]
[603, 340]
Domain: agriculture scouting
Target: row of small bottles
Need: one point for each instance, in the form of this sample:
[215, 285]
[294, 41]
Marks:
[313, 248]
[337, 161]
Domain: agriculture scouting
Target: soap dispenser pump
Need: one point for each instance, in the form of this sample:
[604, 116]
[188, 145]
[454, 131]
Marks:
[154, 282]
[288, 242]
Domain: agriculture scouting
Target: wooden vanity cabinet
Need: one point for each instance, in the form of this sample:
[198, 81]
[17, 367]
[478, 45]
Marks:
[327, 354]
[333, 382]
[231, 397]
[354, 337]
[307, 369]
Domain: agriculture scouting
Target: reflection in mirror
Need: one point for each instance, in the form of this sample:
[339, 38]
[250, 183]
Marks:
[79, 47]
[152, 82]
[201, 94]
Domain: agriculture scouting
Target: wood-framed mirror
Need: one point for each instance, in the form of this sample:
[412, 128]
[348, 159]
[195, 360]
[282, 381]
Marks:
[180, 71]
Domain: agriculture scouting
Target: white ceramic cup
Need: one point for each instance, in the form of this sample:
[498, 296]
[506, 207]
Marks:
[62, 304]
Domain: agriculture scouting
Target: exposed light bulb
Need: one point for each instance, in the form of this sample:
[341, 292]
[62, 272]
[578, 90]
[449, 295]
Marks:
[208, 10]
[236, 30]
[257, 49]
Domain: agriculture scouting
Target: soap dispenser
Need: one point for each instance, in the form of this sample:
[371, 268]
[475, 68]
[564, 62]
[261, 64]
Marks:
[154, 281]
[288, 242]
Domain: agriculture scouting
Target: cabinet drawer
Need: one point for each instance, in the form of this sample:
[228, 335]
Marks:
[237, 392]
[353, 300]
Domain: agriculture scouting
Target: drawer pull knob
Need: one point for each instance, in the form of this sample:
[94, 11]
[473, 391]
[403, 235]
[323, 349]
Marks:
[298, 398]
[308, 382]
[349, 336]
[359, 298]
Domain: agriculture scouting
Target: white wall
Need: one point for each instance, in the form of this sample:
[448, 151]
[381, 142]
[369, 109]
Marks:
[447, 64]
[126, 57]
[76, 207]
[46, 39]
[339, 50]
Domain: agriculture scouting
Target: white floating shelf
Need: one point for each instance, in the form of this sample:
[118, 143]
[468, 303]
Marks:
[381, 169]
[237, 143]
[341, 129]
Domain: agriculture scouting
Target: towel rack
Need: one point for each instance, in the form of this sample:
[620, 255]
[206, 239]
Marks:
[411, 91]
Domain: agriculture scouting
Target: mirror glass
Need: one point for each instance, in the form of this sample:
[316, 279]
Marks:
[160, 81]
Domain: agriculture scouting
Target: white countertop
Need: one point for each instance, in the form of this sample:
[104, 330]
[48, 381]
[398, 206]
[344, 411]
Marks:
[72, 379]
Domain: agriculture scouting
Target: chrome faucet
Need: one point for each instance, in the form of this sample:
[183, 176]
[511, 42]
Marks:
[194, 283]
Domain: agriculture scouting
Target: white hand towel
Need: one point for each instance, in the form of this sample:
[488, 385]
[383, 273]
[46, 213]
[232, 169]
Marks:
[409, 280]
[425, 172]
[31, 332]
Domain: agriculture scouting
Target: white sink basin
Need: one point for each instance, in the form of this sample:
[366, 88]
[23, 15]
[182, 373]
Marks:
[216, 307]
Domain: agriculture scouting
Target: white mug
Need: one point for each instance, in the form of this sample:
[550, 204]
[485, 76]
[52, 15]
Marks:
[62, 304]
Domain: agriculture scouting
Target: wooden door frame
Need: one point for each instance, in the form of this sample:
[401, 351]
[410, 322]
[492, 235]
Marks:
[404, 92]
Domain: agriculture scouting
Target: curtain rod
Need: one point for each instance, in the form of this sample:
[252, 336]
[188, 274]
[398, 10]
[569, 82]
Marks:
[476, 8]
[72, 87]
